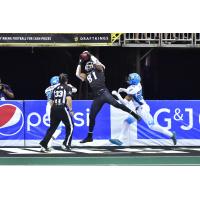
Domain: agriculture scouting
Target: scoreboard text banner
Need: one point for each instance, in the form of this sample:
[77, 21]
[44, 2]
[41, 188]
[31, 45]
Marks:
[56, 39]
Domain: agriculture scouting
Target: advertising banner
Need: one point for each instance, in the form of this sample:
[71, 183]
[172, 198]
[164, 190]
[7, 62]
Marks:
[26, 122]
[181, 117]
[11, 123]
[56, 39]
[37, 121]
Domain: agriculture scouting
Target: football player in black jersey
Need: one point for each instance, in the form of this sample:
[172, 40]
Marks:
[61, 110]
[92, 69]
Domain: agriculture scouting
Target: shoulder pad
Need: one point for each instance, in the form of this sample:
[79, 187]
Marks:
[131, 90]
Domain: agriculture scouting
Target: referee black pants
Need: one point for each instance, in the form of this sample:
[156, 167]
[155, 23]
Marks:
[58, 114]
[97, 104]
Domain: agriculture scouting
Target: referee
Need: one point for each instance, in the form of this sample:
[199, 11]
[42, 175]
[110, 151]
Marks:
[61, 110]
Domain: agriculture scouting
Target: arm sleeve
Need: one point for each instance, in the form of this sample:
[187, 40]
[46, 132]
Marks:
[78, 72]
[48, 93]
[96, 61]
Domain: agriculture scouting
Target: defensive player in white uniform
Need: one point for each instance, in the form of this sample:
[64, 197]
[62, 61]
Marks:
[54, 81]
[134, 93]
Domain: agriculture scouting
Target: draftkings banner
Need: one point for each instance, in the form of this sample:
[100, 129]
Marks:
[55, 39]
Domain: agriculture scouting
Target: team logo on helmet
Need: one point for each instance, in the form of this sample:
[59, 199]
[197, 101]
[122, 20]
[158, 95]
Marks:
[11, 120]
[89, 66]
[54, 80]
[134, 79]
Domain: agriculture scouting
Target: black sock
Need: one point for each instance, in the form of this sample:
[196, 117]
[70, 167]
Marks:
[135, 115]
[90, 134]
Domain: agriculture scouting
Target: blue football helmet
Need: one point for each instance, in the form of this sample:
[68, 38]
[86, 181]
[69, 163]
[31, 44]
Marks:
[134, 79]
[54, 80]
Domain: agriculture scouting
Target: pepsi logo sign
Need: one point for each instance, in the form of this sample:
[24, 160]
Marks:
[11, 120]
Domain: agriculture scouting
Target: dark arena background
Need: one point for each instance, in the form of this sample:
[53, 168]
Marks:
[168, 64]
[167, 73]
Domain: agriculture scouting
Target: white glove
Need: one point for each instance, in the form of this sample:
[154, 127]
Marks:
[74, 90]
[123, 90]
[120, 90]
[114, 93]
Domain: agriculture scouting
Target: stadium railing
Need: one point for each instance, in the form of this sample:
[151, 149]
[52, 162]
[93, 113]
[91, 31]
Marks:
[160, 40]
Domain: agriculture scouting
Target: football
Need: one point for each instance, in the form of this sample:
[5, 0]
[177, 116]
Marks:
[84, 56]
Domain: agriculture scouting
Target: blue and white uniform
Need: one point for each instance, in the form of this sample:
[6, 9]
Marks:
[143, 109]
[48, 93]
[140, 106]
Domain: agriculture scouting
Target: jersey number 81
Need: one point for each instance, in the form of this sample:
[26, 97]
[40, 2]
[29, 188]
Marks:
[91, 77]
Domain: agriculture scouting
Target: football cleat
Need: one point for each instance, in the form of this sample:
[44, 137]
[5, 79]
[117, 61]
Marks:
[116, 142]
[65, 147]
[44, 148]
[174, 138]
[87, 139]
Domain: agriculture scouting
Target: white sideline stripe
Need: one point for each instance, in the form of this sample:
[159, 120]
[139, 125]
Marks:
[59, 152]
[35, 151]
[91, 151]
[130, 150]
[19, 151]
[87, 151]
[167, 151]
[54, 151]
[152, 149]
[193, 149]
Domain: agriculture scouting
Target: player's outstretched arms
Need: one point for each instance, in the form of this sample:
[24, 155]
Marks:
[99, 66]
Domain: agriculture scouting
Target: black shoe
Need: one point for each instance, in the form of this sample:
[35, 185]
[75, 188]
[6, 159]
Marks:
[44, 148]
[87, 139]
[65, 147]
[174, 138]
